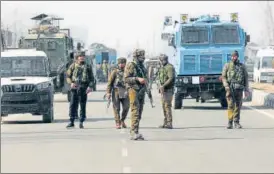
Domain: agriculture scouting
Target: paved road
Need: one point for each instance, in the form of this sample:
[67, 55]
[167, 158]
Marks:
[199, 142]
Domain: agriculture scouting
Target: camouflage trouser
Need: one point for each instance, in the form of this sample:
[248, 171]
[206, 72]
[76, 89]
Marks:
[137, 100]
[116, 101]
[234, 109]
[167, 104]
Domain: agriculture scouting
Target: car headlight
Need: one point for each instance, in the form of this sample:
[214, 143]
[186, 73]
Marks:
[185, 80]
[43, 85]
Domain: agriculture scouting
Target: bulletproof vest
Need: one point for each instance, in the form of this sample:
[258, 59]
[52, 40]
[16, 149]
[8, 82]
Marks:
[163, 74]
[119, 82]
[236, 73]
[80, 73]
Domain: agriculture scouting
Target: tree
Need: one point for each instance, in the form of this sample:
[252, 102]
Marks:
[268, 10]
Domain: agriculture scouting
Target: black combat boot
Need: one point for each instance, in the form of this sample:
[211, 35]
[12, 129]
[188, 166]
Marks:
[123, 124]
[81, 126]
[237, 125]
[230, 125]
[163, 126]
[70, 125]
[137, 136]
[169, 126]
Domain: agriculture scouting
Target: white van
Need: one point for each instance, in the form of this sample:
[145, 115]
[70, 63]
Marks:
[264, 66]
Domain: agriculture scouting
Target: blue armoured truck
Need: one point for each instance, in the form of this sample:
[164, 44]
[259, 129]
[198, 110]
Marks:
[200, 48]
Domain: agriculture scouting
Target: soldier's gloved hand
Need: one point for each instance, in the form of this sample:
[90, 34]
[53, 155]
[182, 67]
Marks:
[89, 90]
[108, 95]
[161, 89]
[73, 85]
[247, 93]
[141, 80]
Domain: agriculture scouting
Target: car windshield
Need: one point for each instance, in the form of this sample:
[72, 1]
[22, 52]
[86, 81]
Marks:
[23, 66]
[268, 62]
[225, 35]
[195, 35]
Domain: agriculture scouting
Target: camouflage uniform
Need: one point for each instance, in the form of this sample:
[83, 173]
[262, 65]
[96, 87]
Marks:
[82, 76]
[166, 77]
[234, 75]
[105, 70]
[136, 91]
[116, 87]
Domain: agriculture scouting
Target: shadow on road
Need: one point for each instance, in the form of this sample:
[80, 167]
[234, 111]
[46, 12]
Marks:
[201, 127]
[204, 107]
[56, 121]
[89, 100]
[194, 139]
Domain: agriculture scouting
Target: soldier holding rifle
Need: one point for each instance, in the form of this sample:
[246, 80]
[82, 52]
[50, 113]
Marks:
[235, 81]
[137, 85]
[81, 78]
[166, 77]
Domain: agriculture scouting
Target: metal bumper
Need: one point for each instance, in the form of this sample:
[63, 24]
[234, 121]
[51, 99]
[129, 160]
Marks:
[19, 103]
[193, 84]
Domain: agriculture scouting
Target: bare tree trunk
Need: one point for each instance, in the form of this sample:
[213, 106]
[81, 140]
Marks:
[268, 9]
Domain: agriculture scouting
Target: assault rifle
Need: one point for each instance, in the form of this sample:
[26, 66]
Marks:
[147, 90]
[109, 100]
[232, 92]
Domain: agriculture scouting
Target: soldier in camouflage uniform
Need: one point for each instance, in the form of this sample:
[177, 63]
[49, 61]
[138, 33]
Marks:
[116, 87]
[135, 78]
[166, 76]
[81, 78]
[235, 81]
[105, 70]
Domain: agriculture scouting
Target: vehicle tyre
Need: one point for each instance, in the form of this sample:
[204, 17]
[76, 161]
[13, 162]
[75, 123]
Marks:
[178, 102]
[49, 116]
[69, 96]
[202, 100]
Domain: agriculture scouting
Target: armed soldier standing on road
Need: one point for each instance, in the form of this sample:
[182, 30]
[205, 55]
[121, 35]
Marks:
[166, 76]
[105, 70]
[235, 80]
[81, 78]
[116, 87]
[135, 78]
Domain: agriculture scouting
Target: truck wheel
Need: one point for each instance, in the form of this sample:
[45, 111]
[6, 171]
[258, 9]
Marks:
[68, 96]
[223, 102]
[178, 101]
[49, 116]
[202, 100]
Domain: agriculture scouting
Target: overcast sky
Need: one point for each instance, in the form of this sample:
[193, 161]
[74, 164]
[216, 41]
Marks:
[123, 24]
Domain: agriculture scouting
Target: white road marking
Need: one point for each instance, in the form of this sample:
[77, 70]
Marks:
[262, 112]
[124, 152]
[126, 170]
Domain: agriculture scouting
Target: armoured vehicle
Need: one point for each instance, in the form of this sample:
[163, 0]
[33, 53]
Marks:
[55, 42]
[26, 85]
[200, 48]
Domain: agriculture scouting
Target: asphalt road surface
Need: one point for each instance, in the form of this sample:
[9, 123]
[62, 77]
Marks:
[199, 141]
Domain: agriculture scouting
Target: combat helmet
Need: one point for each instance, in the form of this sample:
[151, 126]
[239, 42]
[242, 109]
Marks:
[138, 52]
[121, 60]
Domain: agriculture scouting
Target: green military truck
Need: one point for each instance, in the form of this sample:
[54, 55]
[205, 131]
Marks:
[56, 43]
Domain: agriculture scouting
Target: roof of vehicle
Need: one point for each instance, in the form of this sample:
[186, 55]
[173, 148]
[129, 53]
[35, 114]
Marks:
[265, 52]
[23, 53]
[52, 35]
